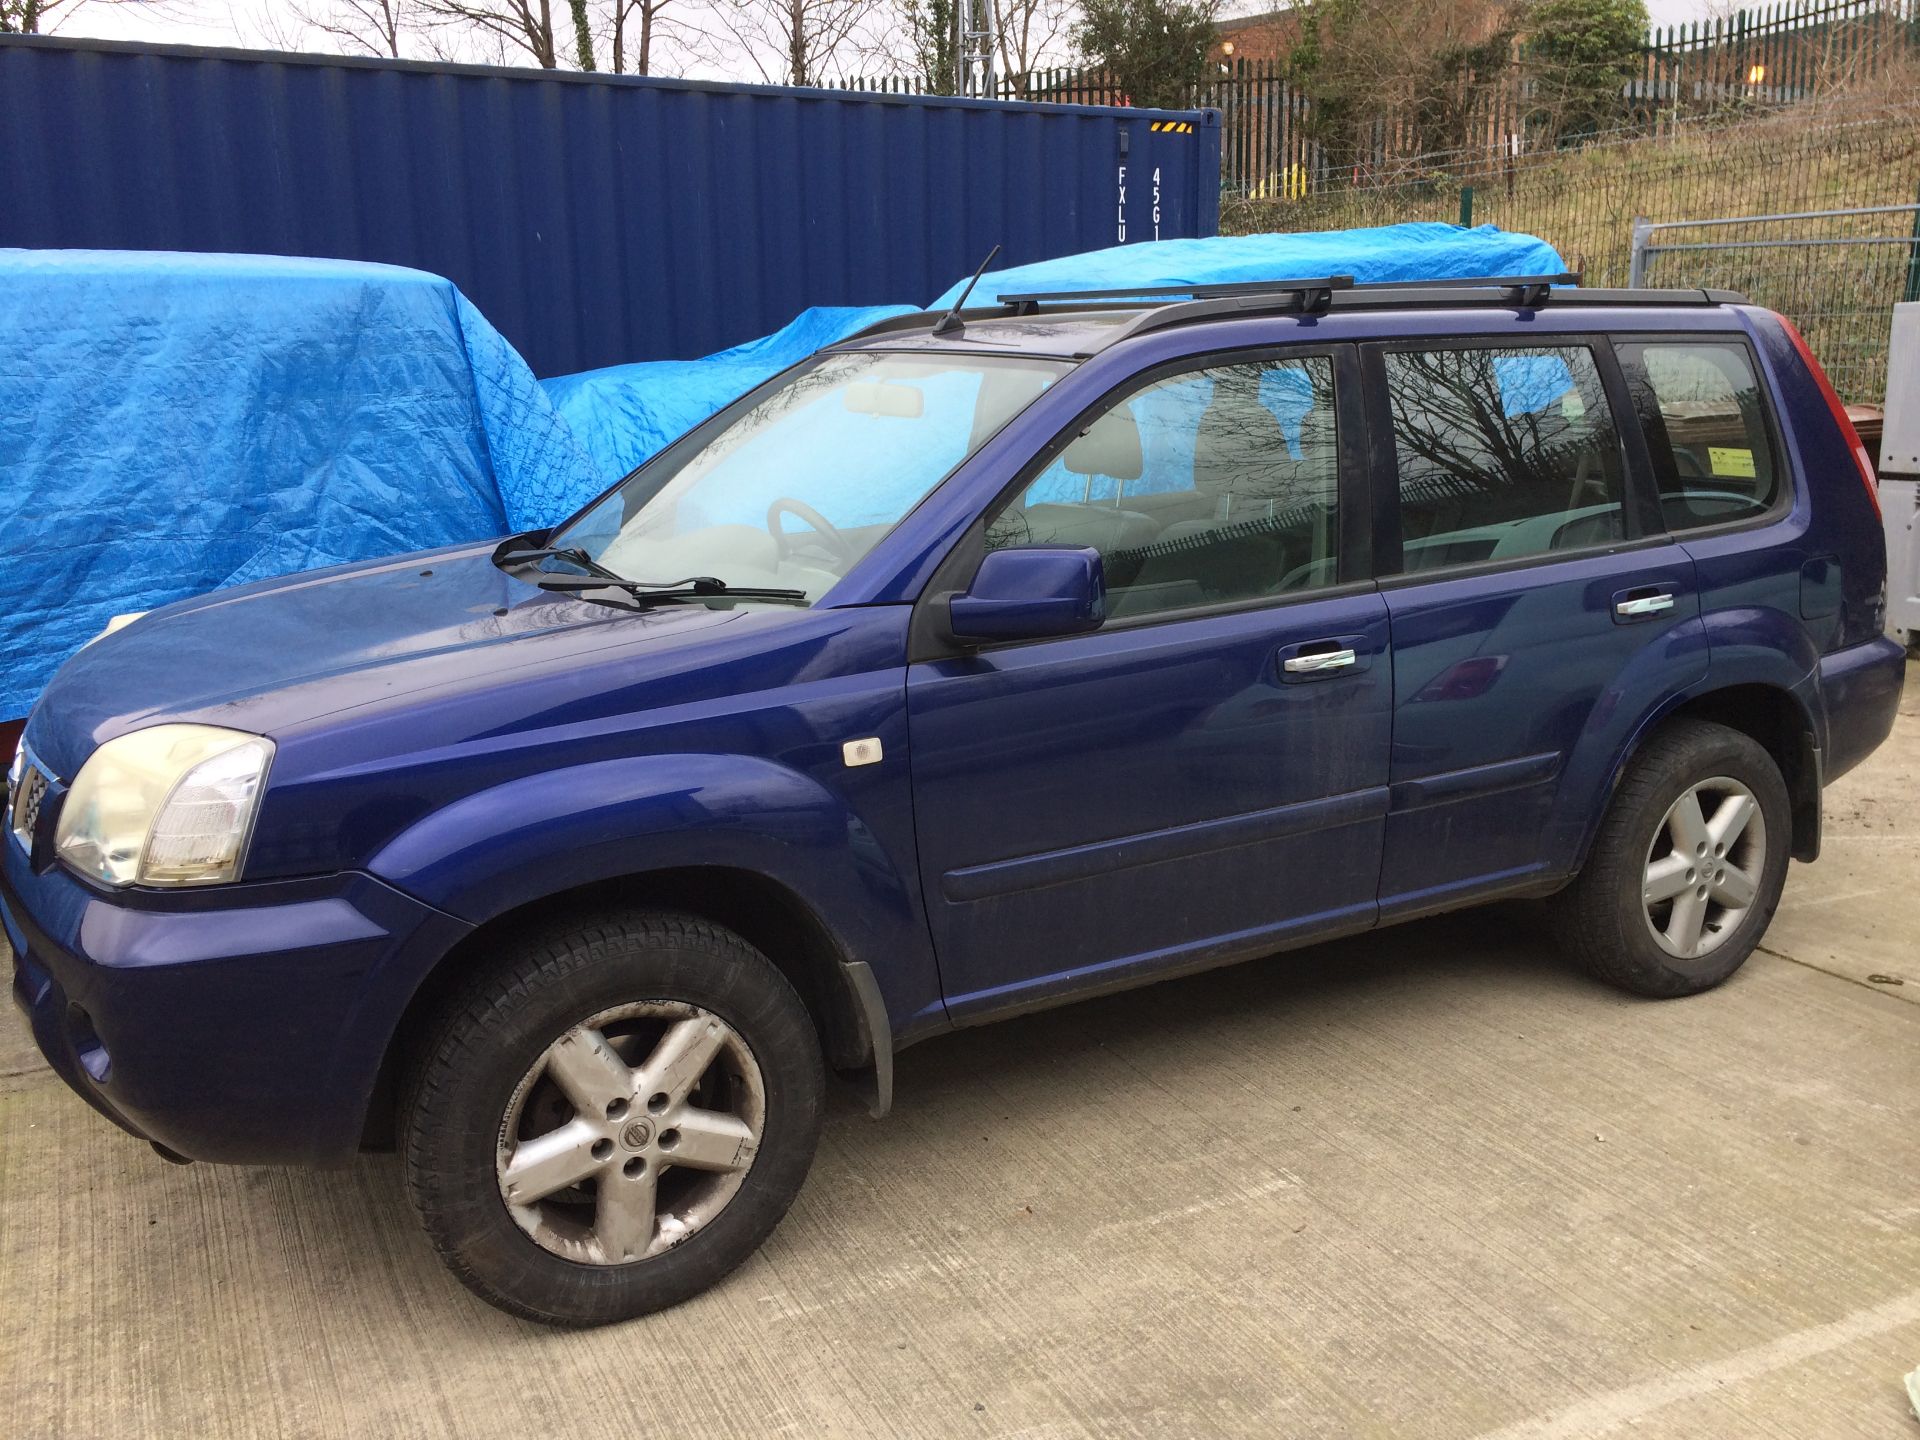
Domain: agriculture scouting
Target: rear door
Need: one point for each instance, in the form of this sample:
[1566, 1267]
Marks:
[1723, 489]
[1205, 776]
[1538, 611]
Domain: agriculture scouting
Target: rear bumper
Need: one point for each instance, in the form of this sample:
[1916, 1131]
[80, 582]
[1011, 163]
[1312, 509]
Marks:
[245, 1025]
[1860, 688]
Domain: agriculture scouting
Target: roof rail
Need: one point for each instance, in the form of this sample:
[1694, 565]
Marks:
[1162, 306]
[1320, 289]
[1526, 291]
[1532, 286]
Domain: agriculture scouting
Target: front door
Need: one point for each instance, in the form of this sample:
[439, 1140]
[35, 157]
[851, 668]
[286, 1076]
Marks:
[1204, 777]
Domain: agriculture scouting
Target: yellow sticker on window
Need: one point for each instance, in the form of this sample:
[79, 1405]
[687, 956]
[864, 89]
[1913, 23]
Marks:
[1726, 460]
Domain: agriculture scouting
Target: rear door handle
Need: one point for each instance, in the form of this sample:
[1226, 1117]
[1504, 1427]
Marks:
[1641, 604]
[1319, 661]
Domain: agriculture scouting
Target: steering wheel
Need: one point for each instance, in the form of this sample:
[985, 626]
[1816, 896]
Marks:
[842, 549]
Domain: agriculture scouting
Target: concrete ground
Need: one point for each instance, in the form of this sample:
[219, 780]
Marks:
[1424, 1183]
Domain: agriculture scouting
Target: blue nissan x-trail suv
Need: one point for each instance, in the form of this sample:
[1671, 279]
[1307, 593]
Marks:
[976, 663]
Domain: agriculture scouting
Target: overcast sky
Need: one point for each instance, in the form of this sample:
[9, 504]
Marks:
[272, 24]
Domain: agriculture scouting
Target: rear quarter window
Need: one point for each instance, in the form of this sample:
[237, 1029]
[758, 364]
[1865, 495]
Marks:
[1700, 405]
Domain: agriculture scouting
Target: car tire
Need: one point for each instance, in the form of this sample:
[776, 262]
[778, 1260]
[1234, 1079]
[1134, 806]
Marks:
[520, 1085]
[1729, 877]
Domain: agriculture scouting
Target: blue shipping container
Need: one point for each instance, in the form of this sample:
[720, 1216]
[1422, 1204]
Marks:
[594, 219]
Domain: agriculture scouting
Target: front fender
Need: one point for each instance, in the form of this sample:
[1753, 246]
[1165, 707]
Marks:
[493, 851]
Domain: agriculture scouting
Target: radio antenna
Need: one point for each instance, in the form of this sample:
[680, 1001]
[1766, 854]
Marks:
[951, 323]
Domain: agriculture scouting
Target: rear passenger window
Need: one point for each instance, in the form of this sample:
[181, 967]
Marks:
[1699, 404]
[1206, 487]
[1503, 453]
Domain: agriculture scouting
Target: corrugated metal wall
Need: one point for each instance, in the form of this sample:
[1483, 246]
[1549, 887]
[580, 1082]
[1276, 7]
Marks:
[595, 220]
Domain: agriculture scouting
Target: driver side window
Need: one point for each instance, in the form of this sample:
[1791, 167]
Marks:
[1202, 488]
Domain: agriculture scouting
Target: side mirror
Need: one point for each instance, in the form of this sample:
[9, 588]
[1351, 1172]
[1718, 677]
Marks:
[1031, 594]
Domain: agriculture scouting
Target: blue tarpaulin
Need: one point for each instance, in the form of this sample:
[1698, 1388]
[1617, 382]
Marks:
[1416, 251]
[172, 424]
[626, 413]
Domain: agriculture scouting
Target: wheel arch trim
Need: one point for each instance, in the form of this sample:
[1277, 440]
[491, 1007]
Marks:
[743, 841]
[1720, 700]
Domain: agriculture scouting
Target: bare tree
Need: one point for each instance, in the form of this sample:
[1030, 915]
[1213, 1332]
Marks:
[1030, 31]
[523, 25]
[1420, 70]
[370, 26]
[25, 17]
[790, 42]
[633, 27]
[32, 17]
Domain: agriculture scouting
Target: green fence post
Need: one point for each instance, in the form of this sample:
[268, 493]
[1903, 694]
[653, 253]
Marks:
[1913, 257]
[1466, 207]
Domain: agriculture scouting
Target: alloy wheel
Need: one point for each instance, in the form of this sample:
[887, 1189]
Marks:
[631, 1132]
[1704, 866]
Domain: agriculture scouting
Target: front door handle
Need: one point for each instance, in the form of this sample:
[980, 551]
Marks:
[1325, 657]
[1636, 605]
[1318, 661]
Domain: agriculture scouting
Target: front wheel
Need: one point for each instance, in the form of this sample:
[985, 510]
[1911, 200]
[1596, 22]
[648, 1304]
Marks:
[612, 1120]
[1687, 868]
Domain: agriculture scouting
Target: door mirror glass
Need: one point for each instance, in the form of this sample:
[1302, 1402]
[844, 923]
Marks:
[1031, 594]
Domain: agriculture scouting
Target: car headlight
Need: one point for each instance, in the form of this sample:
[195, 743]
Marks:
[170, 805]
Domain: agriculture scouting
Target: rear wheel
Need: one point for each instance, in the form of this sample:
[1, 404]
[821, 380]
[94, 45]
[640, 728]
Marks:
[1688, 867]
[614, 1119]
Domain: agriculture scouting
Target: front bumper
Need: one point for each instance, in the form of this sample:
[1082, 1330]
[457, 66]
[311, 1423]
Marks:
[246, 1023]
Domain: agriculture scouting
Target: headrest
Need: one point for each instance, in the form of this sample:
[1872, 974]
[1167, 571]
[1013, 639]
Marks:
[880, 397]
[1110, 447]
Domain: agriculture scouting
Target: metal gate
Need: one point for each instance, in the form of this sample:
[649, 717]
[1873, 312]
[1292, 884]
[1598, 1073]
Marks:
[1838, 279]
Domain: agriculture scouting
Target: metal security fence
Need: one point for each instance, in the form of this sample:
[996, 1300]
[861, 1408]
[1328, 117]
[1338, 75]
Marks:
[1774, 54]
[1275, 142]
[1854, 152]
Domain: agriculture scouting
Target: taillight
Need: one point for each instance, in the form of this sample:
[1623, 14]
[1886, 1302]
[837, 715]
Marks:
[1840, 416]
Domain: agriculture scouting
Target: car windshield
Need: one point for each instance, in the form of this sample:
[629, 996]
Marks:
[796, 487]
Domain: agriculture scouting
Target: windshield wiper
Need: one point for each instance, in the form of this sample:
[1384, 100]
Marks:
[599, 577]
[572, 554]
[694, 587]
